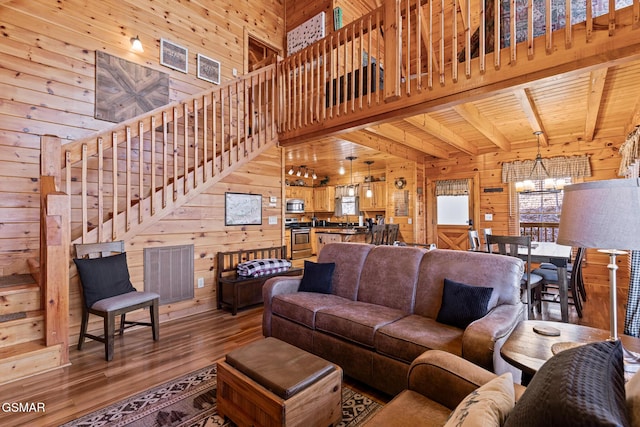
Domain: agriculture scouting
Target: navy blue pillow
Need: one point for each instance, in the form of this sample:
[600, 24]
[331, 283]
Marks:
[463, 304]
[582, 386]
[317, 277]
[103, 277]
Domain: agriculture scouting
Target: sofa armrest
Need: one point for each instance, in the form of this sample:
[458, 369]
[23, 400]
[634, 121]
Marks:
[272, 287]
[445, 378]
[483, 338]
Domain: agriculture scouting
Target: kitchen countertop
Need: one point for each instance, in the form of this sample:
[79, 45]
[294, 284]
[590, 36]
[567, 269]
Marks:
[341, 230]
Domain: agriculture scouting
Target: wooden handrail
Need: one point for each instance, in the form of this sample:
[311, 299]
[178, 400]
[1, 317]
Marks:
[329, 86]
[123, 176]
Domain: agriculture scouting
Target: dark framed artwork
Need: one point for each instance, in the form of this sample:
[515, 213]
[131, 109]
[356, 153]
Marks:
[242, 209]
[174, 56]
[208, 69]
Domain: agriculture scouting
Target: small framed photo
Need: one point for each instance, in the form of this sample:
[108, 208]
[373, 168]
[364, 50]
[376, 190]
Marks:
[174, 56]
[208, 69]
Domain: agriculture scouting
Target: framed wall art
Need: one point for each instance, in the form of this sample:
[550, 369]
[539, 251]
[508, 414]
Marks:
[208, 69]
[174, 56]
[242, 209]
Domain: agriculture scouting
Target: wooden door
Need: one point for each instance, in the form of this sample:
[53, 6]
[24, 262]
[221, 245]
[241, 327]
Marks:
[456, 236]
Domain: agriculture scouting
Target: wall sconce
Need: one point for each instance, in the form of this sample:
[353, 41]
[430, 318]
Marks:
[136, 44]
[313, 174]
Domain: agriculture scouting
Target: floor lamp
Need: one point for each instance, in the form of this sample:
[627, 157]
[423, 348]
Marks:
[603, 215]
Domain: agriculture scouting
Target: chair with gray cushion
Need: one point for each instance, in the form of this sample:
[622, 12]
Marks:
[550, 292]
[392, 233]
[474, 240]
[107, 292]
[378, 234]
[508, 245]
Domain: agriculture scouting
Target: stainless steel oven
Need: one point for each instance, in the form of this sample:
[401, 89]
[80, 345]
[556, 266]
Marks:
[300, 242]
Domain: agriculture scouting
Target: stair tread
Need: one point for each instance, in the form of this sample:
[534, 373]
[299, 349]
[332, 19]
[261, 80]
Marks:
[15, 289]
[16, 279]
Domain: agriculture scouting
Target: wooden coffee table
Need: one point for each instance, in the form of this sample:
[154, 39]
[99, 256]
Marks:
[528, 350]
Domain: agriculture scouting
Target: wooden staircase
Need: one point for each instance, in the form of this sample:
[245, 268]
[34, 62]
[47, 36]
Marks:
[116, 184]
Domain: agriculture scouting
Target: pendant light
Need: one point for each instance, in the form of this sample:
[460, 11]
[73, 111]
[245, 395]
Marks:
[538, 160]
[369, 193]
[351, 190]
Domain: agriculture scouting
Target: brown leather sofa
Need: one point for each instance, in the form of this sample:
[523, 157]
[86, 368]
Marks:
[381, 313]
[437, 382]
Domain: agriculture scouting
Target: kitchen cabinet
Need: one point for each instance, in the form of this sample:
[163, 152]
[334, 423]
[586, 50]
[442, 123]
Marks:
[379, 200]
[287, 242]
[302, 193]
[324, 199]
[314, 242]
[324, 238]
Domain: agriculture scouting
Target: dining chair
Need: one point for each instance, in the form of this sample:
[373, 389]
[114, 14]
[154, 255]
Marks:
[474, 240]
[378, 234]
[508, 245]
[486, 232]
[580, 253]
[107, 292]
[392, 233]
[550, 291]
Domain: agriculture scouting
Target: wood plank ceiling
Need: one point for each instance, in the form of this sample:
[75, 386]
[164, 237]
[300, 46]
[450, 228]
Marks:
[601, 103]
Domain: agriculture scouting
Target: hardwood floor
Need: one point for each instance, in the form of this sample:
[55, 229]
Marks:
[185, 345]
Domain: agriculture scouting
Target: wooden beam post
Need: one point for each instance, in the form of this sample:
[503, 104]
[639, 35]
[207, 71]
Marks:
[392, 49]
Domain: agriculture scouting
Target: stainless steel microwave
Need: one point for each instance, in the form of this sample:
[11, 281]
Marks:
[295, 206]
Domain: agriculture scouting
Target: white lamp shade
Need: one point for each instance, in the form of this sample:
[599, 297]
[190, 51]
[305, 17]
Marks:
[601, 214]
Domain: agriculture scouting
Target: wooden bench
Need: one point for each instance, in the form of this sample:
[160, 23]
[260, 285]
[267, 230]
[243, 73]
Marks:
[235, 291]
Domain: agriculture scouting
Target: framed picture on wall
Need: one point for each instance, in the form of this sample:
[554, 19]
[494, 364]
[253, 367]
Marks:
[174, 56]
[242, 209]
[208, 69]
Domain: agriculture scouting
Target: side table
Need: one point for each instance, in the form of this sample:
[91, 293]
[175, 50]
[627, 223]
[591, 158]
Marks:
[528, 350]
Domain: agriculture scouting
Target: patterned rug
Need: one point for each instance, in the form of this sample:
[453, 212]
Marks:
[191, 401]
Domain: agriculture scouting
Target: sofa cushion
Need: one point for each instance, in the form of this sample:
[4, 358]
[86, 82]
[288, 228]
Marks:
[302, 307]
[580, 386]
[389, 277]
[349, 259]
[410, 408]
[500, 272]
[463, 304]
[317, 277]
[356, 321]
[486, 406]
[407, 338]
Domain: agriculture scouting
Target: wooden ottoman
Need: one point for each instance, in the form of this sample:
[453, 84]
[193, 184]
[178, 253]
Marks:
[272, 383]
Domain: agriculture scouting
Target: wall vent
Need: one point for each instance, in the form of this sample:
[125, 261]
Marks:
[168, 271]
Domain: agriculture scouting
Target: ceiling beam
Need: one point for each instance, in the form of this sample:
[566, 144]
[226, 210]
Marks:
[530, 110]
[597, 79]
[435, 128]
[383, 145]
[471, 114]
[405, 138]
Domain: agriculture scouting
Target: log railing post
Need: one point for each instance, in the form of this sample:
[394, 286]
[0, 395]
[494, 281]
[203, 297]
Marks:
[392, 49]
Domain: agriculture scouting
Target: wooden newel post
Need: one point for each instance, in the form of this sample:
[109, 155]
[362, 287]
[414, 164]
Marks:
[392, 49]
[55, 243]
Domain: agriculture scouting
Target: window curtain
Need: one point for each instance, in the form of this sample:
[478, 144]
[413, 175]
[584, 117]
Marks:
[630, 152]
[558, 167]
[452, 187]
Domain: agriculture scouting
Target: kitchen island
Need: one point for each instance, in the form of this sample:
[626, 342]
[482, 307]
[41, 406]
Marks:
[326, 235]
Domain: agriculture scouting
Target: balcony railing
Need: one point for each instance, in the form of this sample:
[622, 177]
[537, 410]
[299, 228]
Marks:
[540, 231]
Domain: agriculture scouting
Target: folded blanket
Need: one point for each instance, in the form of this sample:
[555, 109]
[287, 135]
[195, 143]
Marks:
[263, 267]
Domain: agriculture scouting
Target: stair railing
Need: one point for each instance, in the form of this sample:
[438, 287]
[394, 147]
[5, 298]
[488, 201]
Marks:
[123, 176]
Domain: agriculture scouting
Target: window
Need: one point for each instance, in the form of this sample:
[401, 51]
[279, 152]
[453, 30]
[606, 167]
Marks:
[453, 210]
[539, 211]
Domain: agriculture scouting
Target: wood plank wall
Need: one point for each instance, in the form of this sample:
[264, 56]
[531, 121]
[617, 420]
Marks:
[47, 79]
[604, 159]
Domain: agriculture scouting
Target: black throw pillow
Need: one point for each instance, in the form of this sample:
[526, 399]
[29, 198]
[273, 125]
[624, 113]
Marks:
[582, 386]
[103, 277]
[317, 277]
[463, 304]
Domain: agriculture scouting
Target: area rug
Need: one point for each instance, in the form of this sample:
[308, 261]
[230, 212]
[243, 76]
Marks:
[191, 401]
